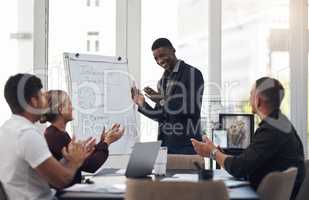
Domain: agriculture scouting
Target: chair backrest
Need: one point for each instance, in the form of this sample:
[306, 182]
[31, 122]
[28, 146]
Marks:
[277, 185]
[179, 161]
[303, 193]
[156, 190]
[3, 195]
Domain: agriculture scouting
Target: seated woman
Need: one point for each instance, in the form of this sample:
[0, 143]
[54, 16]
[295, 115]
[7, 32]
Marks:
[59, 113]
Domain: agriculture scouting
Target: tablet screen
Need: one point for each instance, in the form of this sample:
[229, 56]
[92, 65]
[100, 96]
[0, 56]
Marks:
[239, 127]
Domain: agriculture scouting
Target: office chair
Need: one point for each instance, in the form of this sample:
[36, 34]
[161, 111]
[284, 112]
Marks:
[3, 195]
[303, 193]
[277, 185]
[156, 190]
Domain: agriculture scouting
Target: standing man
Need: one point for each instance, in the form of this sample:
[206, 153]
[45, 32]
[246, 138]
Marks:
[178, 100]
[275, 145]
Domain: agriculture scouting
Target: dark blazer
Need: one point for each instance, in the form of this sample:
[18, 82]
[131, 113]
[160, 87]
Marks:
[275, 146]
[179, 115]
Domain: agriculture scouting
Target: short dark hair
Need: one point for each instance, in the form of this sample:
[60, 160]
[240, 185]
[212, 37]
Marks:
[271, 89]
[161, 42]
[19, 89]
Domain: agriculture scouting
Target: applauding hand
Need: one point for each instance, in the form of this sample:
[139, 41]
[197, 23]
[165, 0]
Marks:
[137, 97]
[112, 135]
[203, 148]
[77, 151]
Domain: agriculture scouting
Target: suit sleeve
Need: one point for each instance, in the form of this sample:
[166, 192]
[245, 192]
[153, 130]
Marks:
[156, 113]
[264, 146]
[195, 97]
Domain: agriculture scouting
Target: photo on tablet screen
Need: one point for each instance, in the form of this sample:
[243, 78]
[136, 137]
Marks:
[239, 129]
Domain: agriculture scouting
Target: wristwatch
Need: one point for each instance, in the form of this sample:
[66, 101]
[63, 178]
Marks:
[212, 154]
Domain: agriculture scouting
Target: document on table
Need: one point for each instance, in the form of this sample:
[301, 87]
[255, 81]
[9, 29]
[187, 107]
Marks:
[104, 184]
[182, 178]
[121, 171]
[111, 189]
[235, 183]
[220, 174]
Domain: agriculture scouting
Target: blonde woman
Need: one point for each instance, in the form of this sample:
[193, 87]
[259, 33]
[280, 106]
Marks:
[59, 114]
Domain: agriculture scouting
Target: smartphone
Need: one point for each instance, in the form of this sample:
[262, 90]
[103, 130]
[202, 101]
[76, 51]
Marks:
[149, 90]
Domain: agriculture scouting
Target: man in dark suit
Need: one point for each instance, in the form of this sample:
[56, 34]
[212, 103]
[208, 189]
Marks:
[275, 145]
[177, 102]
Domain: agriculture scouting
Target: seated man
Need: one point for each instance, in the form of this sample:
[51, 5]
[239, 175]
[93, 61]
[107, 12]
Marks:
[275, 145]
[27, 167]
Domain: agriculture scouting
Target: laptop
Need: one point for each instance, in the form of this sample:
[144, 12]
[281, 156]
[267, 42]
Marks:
[141, 161]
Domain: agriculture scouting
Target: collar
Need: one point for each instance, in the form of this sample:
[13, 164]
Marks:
[167, 73]
[176, 68]
[20, 123]
[277, 121]
[273, 115]
[21, 118]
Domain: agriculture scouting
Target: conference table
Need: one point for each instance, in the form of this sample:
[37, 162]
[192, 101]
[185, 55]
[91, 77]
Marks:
[237, 189]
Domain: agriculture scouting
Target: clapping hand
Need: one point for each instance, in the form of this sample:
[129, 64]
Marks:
[112, 135]
[203, 148]
[77, 151]
[137, 97]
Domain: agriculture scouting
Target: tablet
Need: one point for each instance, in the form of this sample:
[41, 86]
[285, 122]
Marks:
[239, 129]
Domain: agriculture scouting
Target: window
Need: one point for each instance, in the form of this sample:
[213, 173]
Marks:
[93, 41]
[88, 45]
[81, 31]
[16, 40]
[97, 3]
[97, 45]
[188, 36]
[254, 44]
